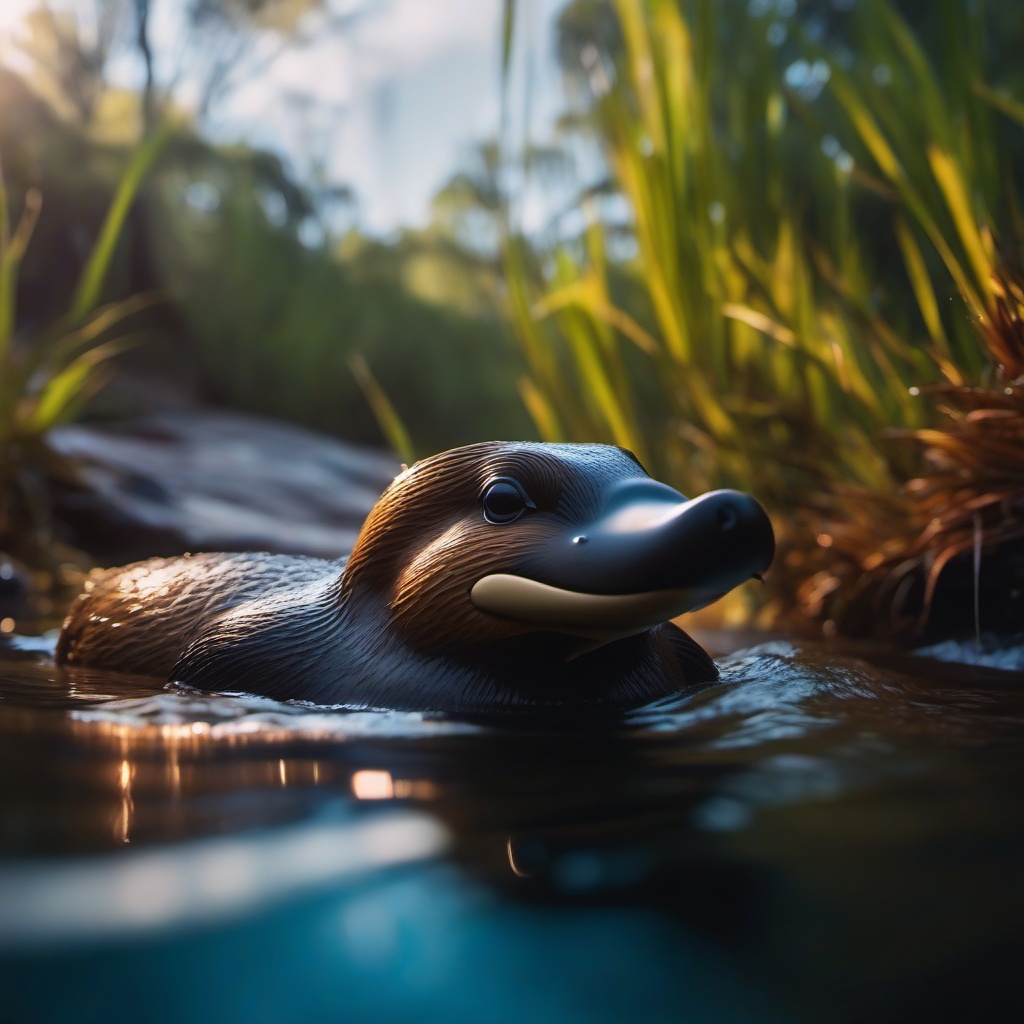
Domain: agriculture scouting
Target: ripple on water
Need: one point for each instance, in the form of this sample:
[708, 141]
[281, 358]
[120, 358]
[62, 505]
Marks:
[228, 715]
[818, 807]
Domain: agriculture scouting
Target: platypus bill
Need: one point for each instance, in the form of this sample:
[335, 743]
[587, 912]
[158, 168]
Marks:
[499, 577]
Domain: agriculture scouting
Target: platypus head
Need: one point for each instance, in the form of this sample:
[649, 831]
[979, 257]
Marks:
[493, 541]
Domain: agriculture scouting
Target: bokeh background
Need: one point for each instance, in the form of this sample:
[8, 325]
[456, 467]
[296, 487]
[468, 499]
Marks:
[769, 244]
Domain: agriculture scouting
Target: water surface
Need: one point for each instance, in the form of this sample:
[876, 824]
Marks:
[822, 836]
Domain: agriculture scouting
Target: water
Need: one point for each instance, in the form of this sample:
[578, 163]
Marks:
[820, 837]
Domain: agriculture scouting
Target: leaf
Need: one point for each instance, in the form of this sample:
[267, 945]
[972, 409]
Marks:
[953, 188]
[61, 389]
[508, 19]
[585, 294]
[867, 127]
[90, 284]
[920, 281]
[541, 410]
[1012, 108]
[12, 249]
[388, 419]
[760, 322]
[60, 352]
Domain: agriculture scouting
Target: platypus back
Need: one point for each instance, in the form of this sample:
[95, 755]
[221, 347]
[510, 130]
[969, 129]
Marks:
[143, 617]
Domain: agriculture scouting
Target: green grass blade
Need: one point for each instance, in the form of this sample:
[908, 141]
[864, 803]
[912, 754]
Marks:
[1007, 105]
[953, 188]
[90, 284]
[12, 250]
[390, 422]
[62, 389]
[508, 21]
[541, 410]
[45, 351]
[924, 292]
[587, 295]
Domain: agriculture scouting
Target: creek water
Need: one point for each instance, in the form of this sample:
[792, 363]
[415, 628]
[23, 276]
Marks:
[823, 836]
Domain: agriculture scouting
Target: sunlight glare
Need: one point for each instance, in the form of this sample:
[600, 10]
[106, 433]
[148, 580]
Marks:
[372, 785]
[12, 14]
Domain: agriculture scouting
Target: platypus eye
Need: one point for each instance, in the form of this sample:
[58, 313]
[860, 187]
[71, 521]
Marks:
[504, 500]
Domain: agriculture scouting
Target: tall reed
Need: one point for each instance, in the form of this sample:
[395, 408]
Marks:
[757, 339]
[757, 345]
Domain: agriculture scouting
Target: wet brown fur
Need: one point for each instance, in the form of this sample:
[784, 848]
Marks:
[142, 617]
[425, 543]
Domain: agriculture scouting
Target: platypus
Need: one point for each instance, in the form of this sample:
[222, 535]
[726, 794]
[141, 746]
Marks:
[497, 577]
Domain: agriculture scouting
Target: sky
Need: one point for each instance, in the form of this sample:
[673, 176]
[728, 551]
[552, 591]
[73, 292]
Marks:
[414, 86]
[400, 95]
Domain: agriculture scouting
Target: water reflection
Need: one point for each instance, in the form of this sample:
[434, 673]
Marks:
[102, 760]
[815, 811]
[199, 883]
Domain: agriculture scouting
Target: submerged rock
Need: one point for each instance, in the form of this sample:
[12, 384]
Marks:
[213, 481]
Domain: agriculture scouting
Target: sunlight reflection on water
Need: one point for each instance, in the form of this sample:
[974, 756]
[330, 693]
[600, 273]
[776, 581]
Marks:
[200, 883]
[790, 810]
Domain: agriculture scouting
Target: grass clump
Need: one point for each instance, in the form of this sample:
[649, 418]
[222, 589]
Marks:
[888, 559]
[745, 335]
[47, 376]
[955, 207]
[814, 241]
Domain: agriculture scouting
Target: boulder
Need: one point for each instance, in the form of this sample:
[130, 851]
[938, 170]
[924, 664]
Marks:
[212, 481]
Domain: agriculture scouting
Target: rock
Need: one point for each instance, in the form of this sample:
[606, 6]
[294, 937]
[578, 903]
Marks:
[213, 481]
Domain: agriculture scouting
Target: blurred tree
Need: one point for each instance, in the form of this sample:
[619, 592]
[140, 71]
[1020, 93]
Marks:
[230, 42]
[472, 206]
[585, 29]
[192, 56]
[70, 50]
[469, 207]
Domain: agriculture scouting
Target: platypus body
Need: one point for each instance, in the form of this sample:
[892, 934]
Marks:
[499, 577]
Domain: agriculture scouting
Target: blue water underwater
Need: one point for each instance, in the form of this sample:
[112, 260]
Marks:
[825, 835]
